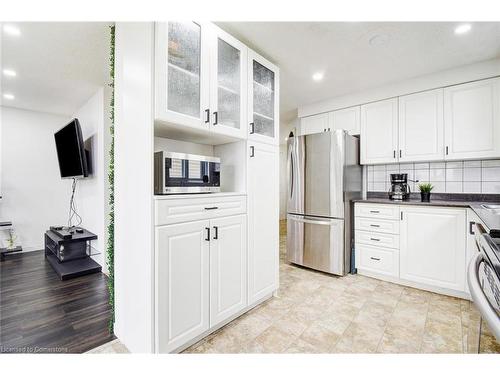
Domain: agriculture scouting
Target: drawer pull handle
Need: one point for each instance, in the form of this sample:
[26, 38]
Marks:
[375, 212]
[375, 239]
[211, 208]
[377, 259]
[375, 225]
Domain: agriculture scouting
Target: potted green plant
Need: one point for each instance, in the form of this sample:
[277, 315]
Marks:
[425, 191]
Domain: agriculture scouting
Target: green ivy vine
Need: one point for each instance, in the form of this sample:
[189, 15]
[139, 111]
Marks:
[110, 254]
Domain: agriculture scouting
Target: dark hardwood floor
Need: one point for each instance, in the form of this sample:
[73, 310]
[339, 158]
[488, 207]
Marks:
[40, 313]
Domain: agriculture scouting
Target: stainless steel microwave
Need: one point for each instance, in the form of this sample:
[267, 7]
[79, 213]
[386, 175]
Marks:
[178, 173]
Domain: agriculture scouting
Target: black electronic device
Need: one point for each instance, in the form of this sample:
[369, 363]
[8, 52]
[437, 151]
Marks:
[71, 151]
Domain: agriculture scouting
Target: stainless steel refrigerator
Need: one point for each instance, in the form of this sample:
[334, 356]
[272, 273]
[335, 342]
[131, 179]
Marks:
[323, 176]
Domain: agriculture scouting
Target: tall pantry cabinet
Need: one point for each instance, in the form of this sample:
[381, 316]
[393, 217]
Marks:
[262, 177]
[187, 265]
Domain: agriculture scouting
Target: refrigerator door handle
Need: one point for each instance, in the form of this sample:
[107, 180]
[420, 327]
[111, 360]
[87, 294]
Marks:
[315, 221]
[291, 175]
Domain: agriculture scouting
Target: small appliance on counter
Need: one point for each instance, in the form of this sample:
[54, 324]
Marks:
[178, 173]
[400, 190]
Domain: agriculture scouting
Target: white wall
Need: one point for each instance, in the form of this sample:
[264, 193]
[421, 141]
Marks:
[444, 78]
[92, 192]
[34, 195]
[134, 256]
[172, 145]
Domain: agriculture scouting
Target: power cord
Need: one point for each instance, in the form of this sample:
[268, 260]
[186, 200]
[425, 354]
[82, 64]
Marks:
[72, 207]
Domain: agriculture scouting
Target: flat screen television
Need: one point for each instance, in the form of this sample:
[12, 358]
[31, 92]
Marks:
[71, 151]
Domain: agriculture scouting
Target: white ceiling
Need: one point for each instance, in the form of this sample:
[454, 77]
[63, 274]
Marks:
[342, 50]
[59, 65]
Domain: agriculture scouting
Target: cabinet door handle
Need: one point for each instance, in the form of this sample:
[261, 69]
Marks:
[400, 153]
[216, 233]
[208, 234]
[394, 154]
[377, 259]
[252, 128]
[252, 151]
[471, 224]
[216, 118]
[211, 208]
[375, 239]
[446, 150]
[207, 116]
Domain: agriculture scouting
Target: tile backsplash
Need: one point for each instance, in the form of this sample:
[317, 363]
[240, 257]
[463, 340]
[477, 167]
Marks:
[477, 176]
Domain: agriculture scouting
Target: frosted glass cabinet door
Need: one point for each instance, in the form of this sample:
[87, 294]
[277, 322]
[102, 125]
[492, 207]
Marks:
[263, 99]
[181, 73]
[228, 84]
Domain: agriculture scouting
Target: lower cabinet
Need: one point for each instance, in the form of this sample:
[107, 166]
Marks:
[201, 274]
[432, 246]
[182, 271]
[228, 267]
[423, 247]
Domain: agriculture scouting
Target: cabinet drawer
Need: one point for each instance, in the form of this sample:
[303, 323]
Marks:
[170, 211]
[382, 211]
[377, 225]
[377, 239]
[377, 259]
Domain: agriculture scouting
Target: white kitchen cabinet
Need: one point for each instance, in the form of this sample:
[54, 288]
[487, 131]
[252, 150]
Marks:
[314, 124]
[182, 293]
[263, 96]
[348, 119]
[421, 126]
[228, 267]
[201, 271]
[228, 84]
[379, 132]
[263, 220]
[472, 120]
[182, 73]
[433, 246]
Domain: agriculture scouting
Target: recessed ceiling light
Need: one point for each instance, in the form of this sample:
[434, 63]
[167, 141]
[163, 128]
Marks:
[462, 29]
[11, 30]
[9, 73]
[9, 96]
[317, 76]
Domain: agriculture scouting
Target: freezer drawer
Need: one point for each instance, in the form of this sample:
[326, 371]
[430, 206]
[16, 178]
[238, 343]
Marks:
[316, 243]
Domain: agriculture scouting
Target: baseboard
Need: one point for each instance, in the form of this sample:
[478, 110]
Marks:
[412, 284]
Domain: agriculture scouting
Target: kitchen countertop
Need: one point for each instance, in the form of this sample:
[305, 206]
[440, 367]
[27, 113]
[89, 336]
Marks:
[197, 195]
[474, 202]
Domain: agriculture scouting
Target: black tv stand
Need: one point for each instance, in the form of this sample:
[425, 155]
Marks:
[70, 257]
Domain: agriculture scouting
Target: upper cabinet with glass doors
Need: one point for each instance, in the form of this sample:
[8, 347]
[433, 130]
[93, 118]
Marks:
[263, 110]
[201, 79]
[228, 84]
[182, 72]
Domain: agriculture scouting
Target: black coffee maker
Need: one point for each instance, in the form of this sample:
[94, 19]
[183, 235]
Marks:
[400, 190]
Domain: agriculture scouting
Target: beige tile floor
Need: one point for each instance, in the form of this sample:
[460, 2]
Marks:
[318, 313]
